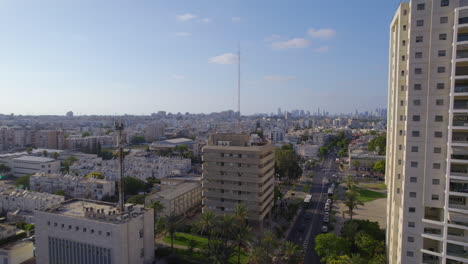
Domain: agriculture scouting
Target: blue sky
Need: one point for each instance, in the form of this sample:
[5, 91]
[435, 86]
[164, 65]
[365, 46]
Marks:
[137, 57]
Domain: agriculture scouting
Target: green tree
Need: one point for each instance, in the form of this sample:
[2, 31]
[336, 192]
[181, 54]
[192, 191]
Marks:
[85, 134]
[137, 199]
[346, 259]
[323, 151]
[378, 144]
[352, 202]
[379, 166]
[29, 150]
[330, 246]
[4, 168]
[206, 224]
[263, 250]
[96, 175]
[287, 164]
[242, 230]
[45, 153]
[134, 186]
[157, 207]
[60, 192]
[172, 223]
[138, 140]
[23, 181]
[356, 163]
[292, 253]
[368, 246]
[55, 155]
[69, 162]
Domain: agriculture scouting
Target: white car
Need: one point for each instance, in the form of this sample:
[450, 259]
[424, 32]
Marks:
[324, 229]
[326, 218]
[329, 201]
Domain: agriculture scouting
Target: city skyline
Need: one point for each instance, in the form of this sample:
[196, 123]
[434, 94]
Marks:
[151, 52]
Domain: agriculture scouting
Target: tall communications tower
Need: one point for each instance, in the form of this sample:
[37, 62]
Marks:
[119, 127]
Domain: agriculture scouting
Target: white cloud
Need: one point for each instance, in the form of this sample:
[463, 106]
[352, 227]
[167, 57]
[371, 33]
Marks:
[178, 76]
[182, 34]
[279, 78]
[235, 19]
[272, 38]
[324, 33]
[292, 43]
[322, 49]
[226, 58]
[206, 20]
[186, 17]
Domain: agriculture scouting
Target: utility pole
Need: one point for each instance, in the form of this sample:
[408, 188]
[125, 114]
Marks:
[120, 127]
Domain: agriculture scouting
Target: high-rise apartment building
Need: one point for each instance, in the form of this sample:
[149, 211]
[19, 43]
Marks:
[427, 138]
[91, 232]
[236, 170]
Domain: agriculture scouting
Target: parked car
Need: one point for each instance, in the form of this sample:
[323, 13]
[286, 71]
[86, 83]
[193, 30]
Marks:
[326, 218]
[327, 208]
[324, 229]
[329, 201]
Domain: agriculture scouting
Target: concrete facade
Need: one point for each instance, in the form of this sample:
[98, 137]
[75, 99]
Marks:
[426, 171]
[236, 171]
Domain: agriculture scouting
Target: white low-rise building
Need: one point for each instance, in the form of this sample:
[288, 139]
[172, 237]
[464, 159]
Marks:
[17, 252]
[22, 164]
[84, 231]
[73, 186]
[12, 199]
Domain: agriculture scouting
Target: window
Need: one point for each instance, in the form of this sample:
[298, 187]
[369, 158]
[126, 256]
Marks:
[438, 134]
[399, 162]
[410, 239]
[403, 58]
[409, 253]
[404, 27]
[444, 20]
[399, 176]
[400, 147]
[402, 73]
[401, 132]
[412, 194]
[412, 209]
[84, 229]
[418, 55]
[403, 43]
[420, 6]
[419, 39]
[48, 222]
[435, 181]
[415, 133]
[402, 88]
[405, 12]
[436, 166]
[419, 23]
[414, 149]
[443, 36]
[411, 224]
[108, 233]
[417, 102]
[440, 69]
[440, 102]
[413, 179]
[442, 53]
[398, 190]
[444, 3]
[417, 86]
[439, 118]
[416, 118]
[437, 150]
[435, 197]
[414, 164]
[402, 103]
[440, 86]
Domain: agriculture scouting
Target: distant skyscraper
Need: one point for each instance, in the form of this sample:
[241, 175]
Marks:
[280, 113]
[69, 114]
[427, 136]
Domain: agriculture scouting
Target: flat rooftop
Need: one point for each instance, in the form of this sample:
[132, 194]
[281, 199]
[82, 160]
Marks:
[76, 208]
[34, 159]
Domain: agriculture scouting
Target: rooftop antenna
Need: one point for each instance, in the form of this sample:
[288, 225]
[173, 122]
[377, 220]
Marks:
[119, 127]
[238, 89]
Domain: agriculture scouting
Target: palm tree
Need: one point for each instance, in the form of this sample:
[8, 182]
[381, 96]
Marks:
[349, 182]
[240, 212]
[205, 225]
[351, 201]
[171, 226]
[354, 259]
[242, 235]
[157, 206]
[292, 253]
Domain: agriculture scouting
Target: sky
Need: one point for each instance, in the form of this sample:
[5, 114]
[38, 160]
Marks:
[142, 56]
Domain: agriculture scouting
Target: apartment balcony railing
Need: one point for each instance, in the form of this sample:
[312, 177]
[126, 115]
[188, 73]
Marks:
[432, 231]
[463, 20]
[462, 37]
[461, 104]
[457, 251]
[462, 54]
[430, 259]
[460, 157]
[455, 205]
[459, 187]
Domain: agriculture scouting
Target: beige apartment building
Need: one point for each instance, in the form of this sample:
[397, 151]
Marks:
[427, 138]
[236, 170]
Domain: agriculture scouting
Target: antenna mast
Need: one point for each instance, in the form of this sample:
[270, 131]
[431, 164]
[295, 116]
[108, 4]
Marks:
[120, 127]
[238, 89]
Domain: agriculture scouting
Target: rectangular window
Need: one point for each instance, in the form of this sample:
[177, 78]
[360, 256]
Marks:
[400, 147]
[417, 71]
[402, 103]
[413, 179]
[440, 102]
[412, 209]
[409, 253]
[419, 39]
[399, 176]
[442, 53]
[418, 55]
[416, 118]
[414, 149]
[440, 69]
[417, 86]
[414, 164]
[440, 86]
[437, 150]
[435, 181]
[411, 224]
[439, 118]
[444, 20]
[403, 58]
[412, 194]
[402, 88]
[420, 6]
[399, 162]
[419, 23]
[442, 36]
[438, 134]
[415, 133]
[410, 239]
[444, 3]
[436, 166]
[417, 102]
[435, 197]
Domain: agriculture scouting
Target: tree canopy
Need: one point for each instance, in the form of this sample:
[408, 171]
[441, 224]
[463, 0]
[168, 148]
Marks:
[378, 144]
[287, 163]
[23, 181]
[134, 186]
[379, 166]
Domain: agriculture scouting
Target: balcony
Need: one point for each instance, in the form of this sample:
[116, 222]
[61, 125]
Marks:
[460, 120]
[430, 259]
[457, 251]
[458, 170]
[458, 220]
[462, 20]
[459, 186]
[458, 203]
[433, 214]
[460, 104]
[432, 245]
[456, 234]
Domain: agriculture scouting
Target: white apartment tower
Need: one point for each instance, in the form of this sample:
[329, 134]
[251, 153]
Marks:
[427, 138]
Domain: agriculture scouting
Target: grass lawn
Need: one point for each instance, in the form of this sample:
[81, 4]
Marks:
[368, 195]
[184, 239]
[375, 186]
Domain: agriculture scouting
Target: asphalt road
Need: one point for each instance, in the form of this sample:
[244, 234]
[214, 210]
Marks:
[305, 229]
